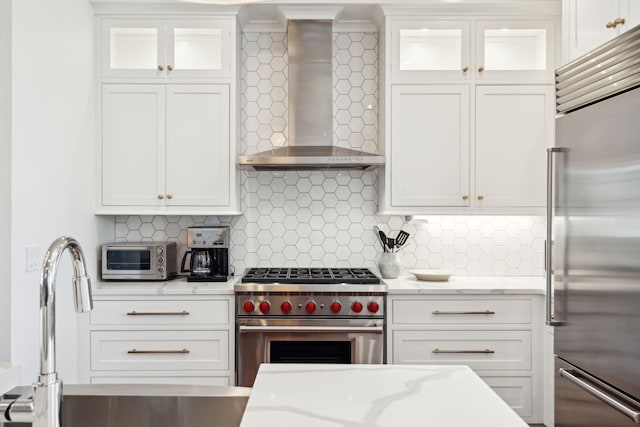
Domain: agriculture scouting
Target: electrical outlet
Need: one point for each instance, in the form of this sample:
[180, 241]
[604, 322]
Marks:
[34, 257]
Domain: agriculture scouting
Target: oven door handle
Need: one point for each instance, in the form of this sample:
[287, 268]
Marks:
[312, 329]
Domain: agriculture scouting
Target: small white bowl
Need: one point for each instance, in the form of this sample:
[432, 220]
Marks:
[432, 275]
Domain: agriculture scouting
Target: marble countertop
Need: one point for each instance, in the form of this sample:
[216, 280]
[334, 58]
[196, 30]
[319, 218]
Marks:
[374, 395]
[408, 284]
[9, 377]
[178, 286]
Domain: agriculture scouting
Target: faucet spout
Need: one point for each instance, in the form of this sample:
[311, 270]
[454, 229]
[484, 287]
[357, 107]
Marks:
[81, 293]
[42, 409]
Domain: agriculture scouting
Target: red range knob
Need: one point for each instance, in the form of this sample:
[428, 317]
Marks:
[336, 307]
[356, 307]
[265, 307]
[310, 307]
[248, 307]
[285, 307]
[373, 307]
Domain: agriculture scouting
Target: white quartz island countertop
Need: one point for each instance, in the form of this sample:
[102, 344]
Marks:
[374, 396]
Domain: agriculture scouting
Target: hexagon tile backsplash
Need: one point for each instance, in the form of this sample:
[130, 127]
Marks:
[294, 229]
[327, 218]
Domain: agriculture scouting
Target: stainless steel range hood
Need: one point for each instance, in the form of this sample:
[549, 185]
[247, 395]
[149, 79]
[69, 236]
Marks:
[310, 108]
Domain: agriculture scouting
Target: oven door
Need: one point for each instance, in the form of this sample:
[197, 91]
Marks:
[346, 341]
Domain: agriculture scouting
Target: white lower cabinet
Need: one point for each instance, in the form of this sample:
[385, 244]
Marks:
[499, 337]
[160, 340]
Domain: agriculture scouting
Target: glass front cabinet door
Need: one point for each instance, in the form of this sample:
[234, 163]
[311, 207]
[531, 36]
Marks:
[434, 49]
[166, 49]
[514, 49]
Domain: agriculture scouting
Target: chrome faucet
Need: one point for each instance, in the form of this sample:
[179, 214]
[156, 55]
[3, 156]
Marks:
[43, 407]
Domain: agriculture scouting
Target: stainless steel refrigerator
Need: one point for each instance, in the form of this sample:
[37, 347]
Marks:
[593, 236]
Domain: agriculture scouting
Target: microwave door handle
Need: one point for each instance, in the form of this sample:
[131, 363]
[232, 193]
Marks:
[184, 259]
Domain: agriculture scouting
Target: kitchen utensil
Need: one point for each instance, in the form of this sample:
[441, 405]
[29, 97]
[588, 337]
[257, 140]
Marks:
[432, 275]
[382, 242]
[383, 239]
[391, 244]
[401, 238]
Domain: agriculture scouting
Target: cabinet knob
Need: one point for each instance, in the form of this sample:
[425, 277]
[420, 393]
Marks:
[169, 196]
[170, 67]
[610, 25]
[465, 69]
[618, 21]
[160, 196]
[480, 69]
[481, 197]
[160, 68]
[465, 197]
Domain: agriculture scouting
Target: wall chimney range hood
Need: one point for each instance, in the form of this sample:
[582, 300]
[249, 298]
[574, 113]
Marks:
[310, 108]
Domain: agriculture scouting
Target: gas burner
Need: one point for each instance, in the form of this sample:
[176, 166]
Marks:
[311, 276]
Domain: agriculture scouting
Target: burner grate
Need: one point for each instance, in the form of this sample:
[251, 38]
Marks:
[311, 275]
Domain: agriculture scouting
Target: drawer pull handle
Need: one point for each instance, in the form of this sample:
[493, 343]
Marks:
[485, 351]
[183, 351]
[158, 313]
[463, 312]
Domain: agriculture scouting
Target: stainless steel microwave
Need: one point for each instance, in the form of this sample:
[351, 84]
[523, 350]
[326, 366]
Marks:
[139, 261]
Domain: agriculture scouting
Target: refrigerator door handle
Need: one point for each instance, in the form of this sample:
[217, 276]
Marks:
[606, 398]
[548, 248]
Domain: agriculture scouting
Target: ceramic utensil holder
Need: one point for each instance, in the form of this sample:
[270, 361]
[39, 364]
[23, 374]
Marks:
[389, 265]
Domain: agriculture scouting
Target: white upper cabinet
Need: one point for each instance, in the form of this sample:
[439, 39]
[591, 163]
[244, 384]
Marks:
[166, 148]
[514, 49]
[150, 48]
[514, 126]
[468, 112]
[588, 24]
[434, 49]
[505, 49]
[429, 161]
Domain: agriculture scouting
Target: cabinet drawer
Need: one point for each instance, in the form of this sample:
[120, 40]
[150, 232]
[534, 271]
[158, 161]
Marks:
[159, 350]
[456, 311]
[515, 391]
[156, 312]
[481, 350]
[223, 381]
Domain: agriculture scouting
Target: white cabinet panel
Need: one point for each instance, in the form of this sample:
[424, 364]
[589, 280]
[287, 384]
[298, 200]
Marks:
[481, 350]
[430, 149]
[200, 380]
[197, 160]
[514, 126]
[166, 147]
[160, 312]
[438, 311]
[159, 350]
[588, 24]
[516, 391]
[133, 135]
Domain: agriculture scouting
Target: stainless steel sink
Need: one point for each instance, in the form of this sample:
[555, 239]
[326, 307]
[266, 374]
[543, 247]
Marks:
[114, 405]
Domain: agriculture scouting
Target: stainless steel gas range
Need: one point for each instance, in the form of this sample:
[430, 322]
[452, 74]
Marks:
[308, 315]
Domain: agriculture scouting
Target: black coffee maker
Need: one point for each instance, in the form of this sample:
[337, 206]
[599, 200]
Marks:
[208, 253]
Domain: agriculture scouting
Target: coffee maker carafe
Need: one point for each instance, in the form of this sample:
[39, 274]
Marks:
[208, 254]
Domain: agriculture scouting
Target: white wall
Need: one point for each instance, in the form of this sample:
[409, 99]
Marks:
[53, 164]
[5, 181]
